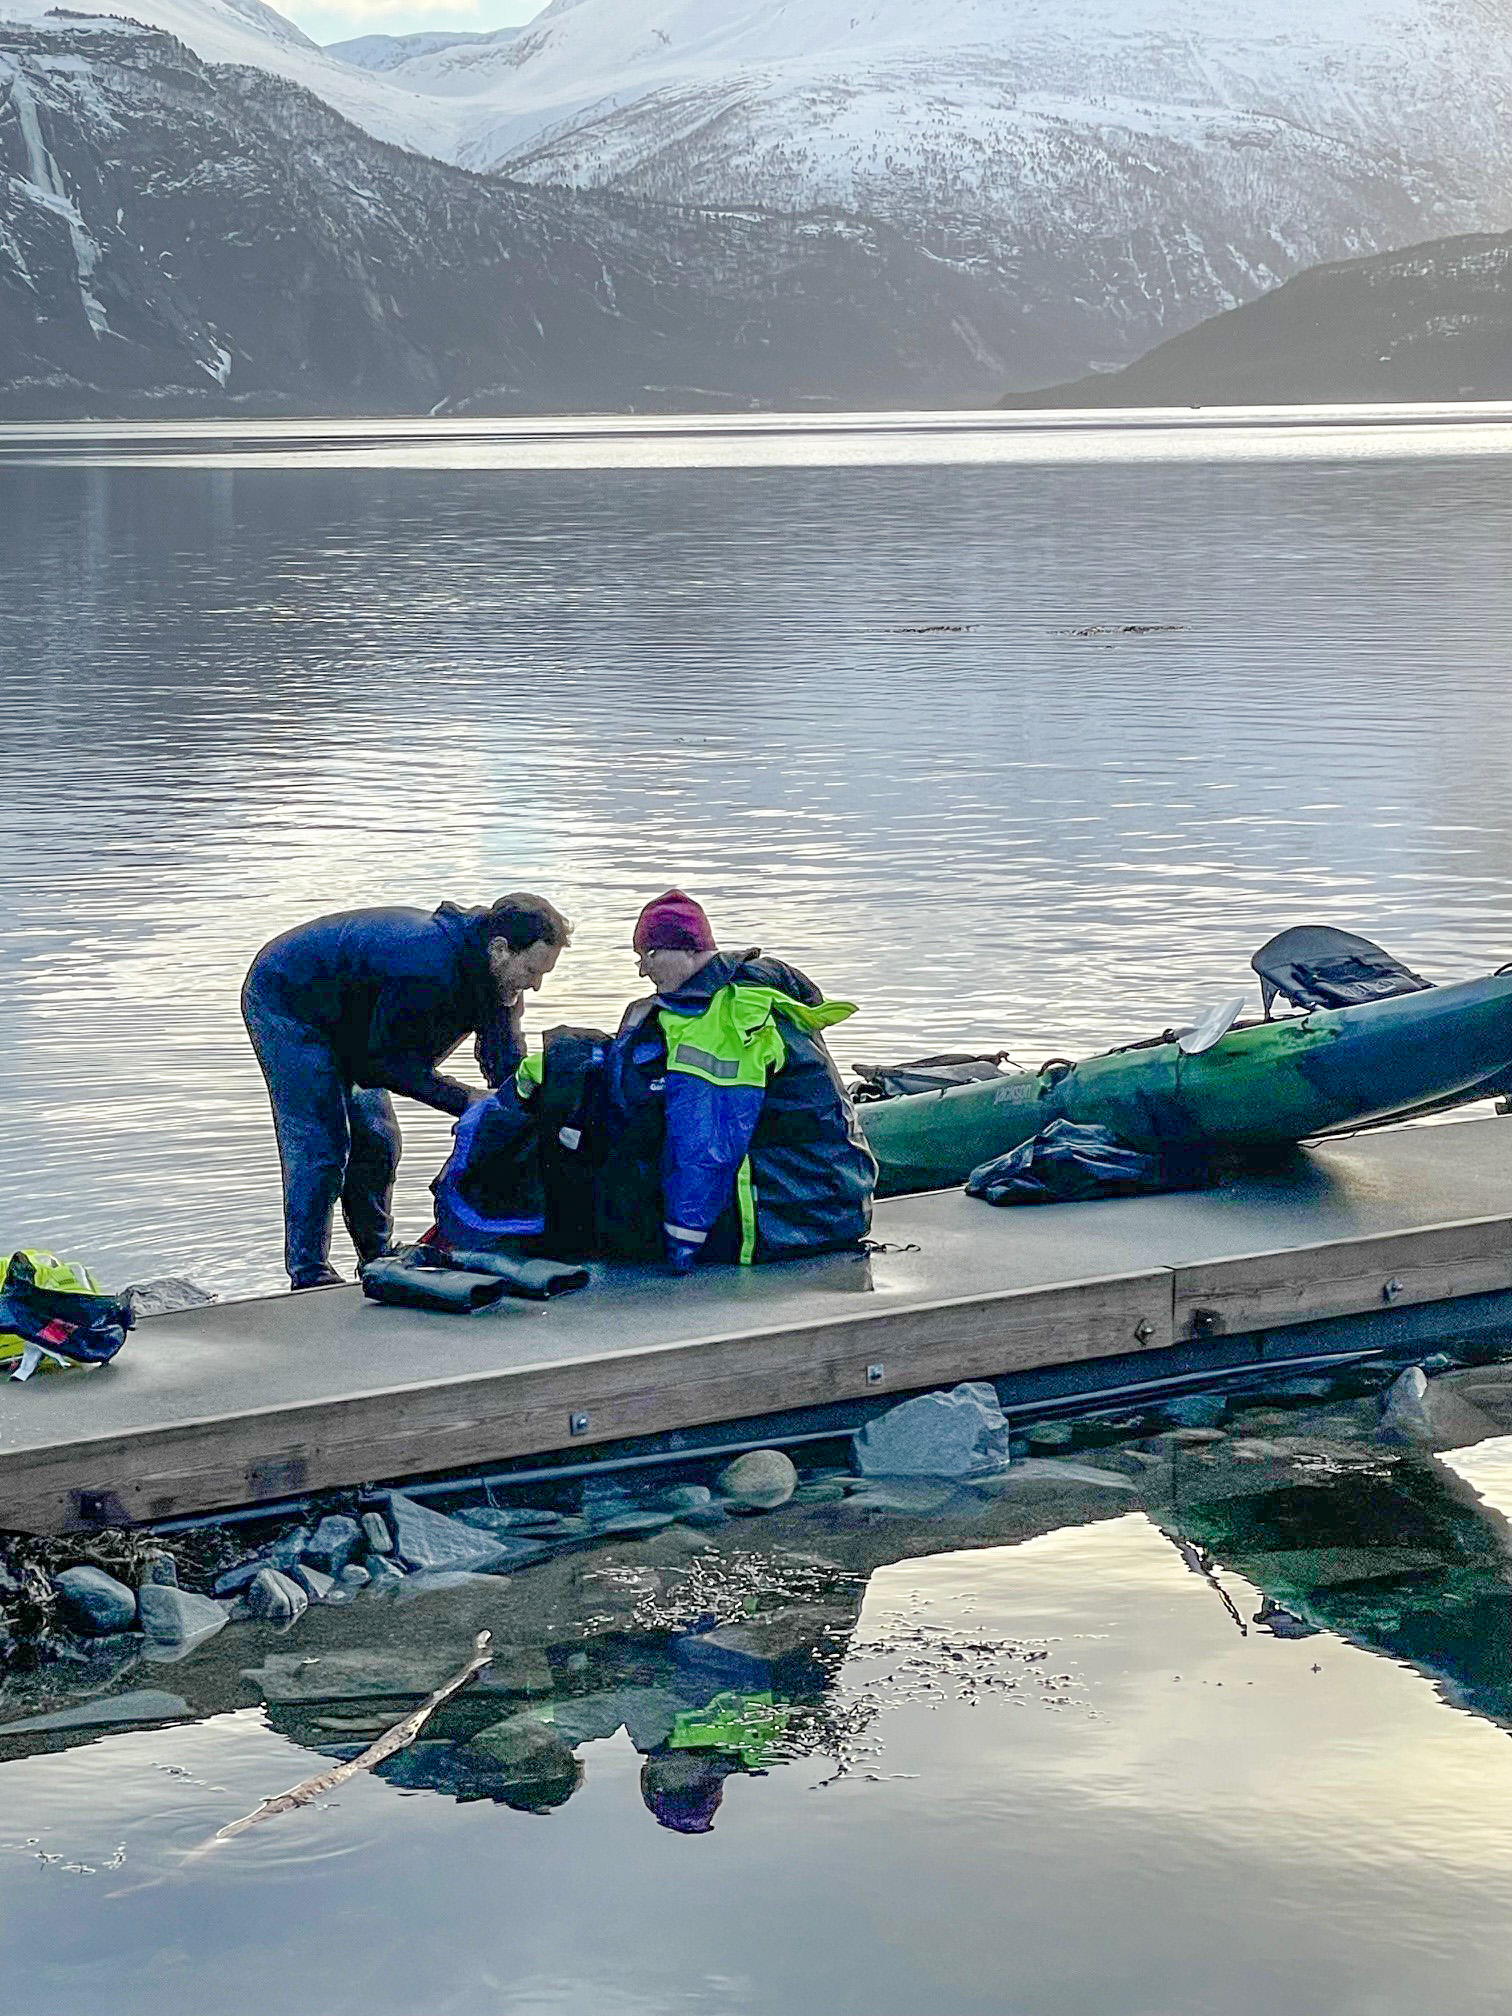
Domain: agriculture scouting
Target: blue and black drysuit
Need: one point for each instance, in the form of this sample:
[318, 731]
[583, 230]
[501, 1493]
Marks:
[344, 1011]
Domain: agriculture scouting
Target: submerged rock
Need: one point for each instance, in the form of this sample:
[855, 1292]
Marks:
[367, 1673]
[430, 1540]
[1050, 1435]
[1433, 1412]
[524, 1762]
[901, 1494]
[94, 1602]
[159, 1569]
[1054, 1471]
[1195, 1410]
[786, 1651]
[957, 1434]
[502, 1519]
[354, 1576]
[176, 1618]
[432, 1581]
[680, 1498]
[141, 1708]
[759, 1481]
[376, 1533]
[1306, 1389]
[628, 1521]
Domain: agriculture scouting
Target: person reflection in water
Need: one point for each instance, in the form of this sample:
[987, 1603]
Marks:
[682, 1789]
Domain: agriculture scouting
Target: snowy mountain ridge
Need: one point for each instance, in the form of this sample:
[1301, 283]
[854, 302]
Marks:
[391, 53]
[1120, 168]
[177, 236]
[1350, 71]
[257, 36]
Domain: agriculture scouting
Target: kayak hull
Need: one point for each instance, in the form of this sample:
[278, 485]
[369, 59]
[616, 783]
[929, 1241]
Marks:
[1263, 1087]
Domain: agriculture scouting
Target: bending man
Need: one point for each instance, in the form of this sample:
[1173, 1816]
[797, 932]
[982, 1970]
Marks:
[346, 1010]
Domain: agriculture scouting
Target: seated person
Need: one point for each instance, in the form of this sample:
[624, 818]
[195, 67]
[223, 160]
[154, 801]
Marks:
[714, 1125]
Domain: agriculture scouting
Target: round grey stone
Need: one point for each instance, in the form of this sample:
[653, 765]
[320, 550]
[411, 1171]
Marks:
[761, 1479]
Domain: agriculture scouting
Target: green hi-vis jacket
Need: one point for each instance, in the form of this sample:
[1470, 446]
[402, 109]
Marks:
[759, 1155]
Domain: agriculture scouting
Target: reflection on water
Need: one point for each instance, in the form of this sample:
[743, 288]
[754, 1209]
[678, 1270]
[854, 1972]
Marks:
[889, 720]
[1228, 1730]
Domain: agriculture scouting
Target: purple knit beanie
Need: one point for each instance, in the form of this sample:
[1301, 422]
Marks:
[673, 923]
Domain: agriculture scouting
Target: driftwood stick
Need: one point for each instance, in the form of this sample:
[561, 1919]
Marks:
[388, 1745]
[1201, 1563]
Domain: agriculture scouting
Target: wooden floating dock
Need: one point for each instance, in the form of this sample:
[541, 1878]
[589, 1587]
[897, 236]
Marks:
[1388, 1238]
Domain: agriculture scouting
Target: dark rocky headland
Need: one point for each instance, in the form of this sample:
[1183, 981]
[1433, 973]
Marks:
[1433, 322]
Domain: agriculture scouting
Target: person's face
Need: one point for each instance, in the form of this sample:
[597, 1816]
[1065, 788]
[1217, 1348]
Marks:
[668, 970]
[522, 972]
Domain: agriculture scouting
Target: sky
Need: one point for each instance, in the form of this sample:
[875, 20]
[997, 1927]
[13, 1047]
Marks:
[338, 20]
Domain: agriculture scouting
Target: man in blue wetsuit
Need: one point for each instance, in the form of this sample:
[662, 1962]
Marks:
[346, 1010]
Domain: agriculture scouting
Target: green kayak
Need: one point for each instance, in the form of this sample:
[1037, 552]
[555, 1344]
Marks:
[1258, 1087]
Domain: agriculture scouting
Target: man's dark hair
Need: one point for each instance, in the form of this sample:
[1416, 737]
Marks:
[527, 920]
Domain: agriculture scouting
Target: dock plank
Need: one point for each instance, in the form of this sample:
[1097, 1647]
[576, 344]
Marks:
[1345, 1277]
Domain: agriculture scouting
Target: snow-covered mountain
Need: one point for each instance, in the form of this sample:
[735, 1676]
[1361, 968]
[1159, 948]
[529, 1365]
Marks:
[178, 237]
[1155, 160]
[390, 53]
[249, 33]
[834, 82]
[1109, 171]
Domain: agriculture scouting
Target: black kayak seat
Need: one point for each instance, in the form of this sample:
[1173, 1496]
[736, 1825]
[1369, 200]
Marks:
[924, 1074]
[1315, 966]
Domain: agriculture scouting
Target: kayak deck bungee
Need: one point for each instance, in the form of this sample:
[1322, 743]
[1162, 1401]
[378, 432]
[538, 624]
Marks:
[1265, 1086]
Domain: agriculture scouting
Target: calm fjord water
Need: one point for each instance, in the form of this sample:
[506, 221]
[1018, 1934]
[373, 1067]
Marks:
[1015, 736]
[871, 690]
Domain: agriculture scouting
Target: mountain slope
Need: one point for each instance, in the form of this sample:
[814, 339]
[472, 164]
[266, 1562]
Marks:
[251, 33]
[1433, 322]
[177, 236]
[391, 53]
[1149, 162]
[1083, 178]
